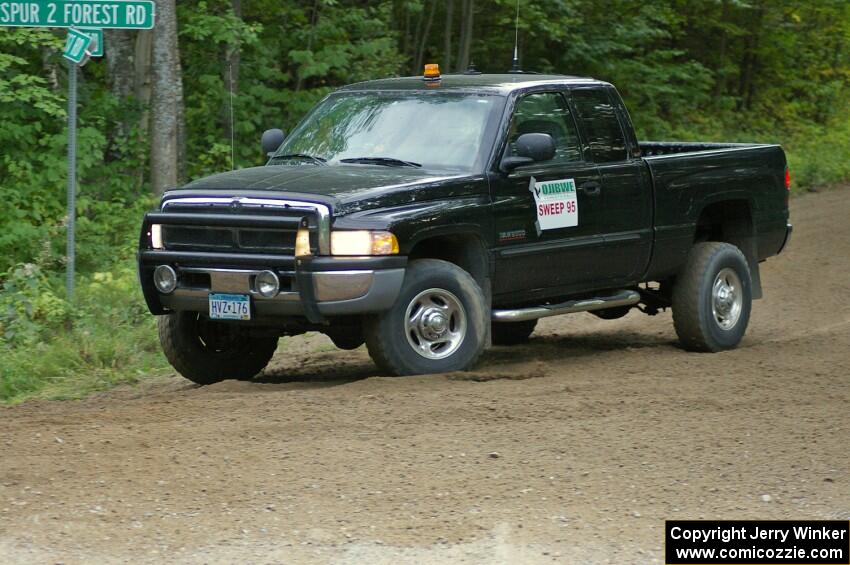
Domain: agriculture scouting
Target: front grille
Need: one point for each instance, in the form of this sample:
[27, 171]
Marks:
[268, 238]
[180, 238]
[278, 241]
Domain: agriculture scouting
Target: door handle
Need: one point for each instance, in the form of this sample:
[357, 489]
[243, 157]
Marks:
[591, 188]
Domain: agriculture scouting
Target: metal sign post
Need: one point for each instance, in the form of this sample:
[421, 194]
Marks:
[70, 253]
[77, 52]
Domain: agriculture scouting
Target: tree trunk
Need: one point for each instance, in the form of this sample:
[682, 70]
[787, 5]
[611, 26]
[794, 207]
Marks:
[719, 70]
[166, 100]
[121, 76]
[405, 36]
[51, 69]
[746, 84]
[414, 45]
[423, 40]
[182, 159]
[314, 19]
[466, 31]
[447, 35]
[230, 75]
[120, 51]
[143, 72]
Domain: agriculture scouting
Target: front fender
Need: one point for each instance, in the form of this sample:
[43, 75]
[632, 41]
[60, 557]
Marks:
[414, 223]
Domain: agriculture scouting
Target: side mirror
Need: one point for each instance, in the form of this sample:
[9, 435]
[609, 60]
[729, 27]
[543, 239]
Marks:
[537, 146]
[272, 139]
[530, 148]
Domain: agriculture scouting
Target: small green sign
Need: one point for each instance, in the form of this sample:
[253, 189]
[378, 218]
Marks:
[76, 48]
[117, 14]
[96, 49]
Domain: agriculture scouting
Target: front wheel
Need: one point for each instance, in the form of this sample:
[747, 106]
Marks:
[437, 324]
[207, 352]
[712, 298]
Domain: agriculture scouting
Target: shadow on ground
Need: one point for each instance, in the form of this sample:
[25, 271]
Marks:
[336, 367]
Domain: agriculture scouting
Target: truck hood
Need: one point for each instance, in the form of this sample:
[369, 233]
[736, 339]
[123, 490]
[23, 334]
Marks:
[346, 188]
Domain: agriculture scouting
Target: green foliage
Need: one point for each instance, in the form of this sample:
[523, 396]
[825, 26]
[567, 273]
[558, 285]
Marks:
[33, 164]
[286, 65]
[29, 307]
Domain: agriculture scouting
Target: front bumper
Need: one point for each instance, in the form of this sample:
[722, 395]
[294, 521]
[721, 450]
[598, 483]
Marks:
[314, 287]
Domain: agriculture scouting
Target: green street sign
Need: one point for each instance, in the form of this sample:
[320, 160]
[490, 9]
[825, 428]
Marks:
[76, 48]
[96, 49]
[117, 14]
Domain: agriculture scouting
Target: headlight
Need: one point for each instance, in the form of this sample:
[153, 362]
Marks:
[156, 236]
[363, 242]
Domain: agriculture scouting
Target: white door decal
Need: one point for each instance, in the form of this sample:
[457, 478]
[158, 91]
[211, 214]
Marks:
[555, 202]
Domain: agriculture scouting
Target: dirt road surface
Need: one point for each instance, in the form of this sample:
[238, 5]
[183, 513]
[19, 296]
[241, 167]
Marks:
[572, 449]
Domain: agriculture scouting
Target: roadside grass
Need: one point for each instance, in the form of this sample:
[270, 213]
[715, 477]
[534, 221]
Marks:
[80, 362]
[55, 351]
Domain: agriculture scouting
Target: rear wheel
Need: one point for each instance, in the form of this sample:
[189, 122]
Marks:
[208, 352]
[712, 298]
[437, 324]
[512, 333]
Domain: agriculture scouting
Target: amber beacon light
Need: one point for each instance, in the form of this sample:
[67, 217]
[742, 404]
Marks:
[432, 71]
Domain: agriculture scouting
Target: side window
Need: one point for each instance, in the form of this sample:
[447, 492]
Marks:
[546, 112]
[599, 122]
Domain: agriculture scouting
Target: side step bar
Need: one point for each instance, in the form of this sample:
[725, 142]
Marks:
[620, 298]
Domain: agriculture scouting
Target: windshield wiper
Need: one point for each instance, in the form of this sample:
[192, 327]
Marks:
[302, 156]
[385, 161]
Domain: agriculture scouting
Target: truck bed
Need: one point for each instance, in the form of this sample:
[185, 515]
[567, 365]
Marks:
[688, 178]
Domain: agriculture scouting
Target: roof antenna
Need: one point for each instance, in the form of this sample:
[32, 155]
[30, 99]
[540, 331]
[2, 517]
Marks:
[515, 68]
[232, 125]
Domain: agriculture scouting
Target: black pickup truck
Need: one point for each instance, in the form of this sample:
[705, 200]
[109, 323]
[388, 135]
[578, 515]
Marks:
[431, 217]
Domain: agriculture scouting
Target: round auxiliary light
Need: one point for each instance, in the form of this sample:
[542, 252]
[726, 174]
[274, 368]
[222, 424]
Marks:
[165, 279]
[267, 284]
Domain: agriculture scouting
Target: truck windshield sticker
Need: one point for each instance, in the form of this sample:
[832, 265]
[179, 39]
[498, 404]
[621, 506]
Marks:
[555, 203]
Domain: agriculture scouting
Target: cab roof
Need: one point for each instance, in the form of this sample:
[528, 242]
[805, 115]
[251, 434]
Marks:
[491, 83]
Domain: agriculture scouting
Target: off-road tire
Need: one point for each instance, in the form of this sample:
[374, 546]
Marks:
[242, 358]
[386, 334]
[693, 296]
[512, 333]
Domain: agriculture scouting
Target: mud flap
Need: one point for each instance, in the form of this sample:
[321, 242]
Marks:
[755, 274]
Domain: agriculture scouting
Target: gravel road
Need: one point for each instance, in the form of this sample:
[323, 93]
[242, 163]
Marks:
[572, 449]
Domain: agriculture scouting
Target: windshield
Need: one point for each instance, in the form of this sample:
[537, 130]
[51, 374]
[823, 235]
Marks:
[432, 130]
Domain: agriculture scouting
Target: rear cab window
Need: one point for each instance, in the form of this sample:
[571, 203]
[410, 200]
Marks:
[601, 127]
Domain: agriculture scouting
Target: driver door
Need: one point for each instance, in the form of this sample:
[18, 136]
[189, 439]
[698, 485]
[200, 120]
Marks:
[546, 213]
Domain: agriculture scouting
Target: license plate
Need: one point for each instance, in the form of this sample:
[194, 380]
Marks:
[230, 307]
